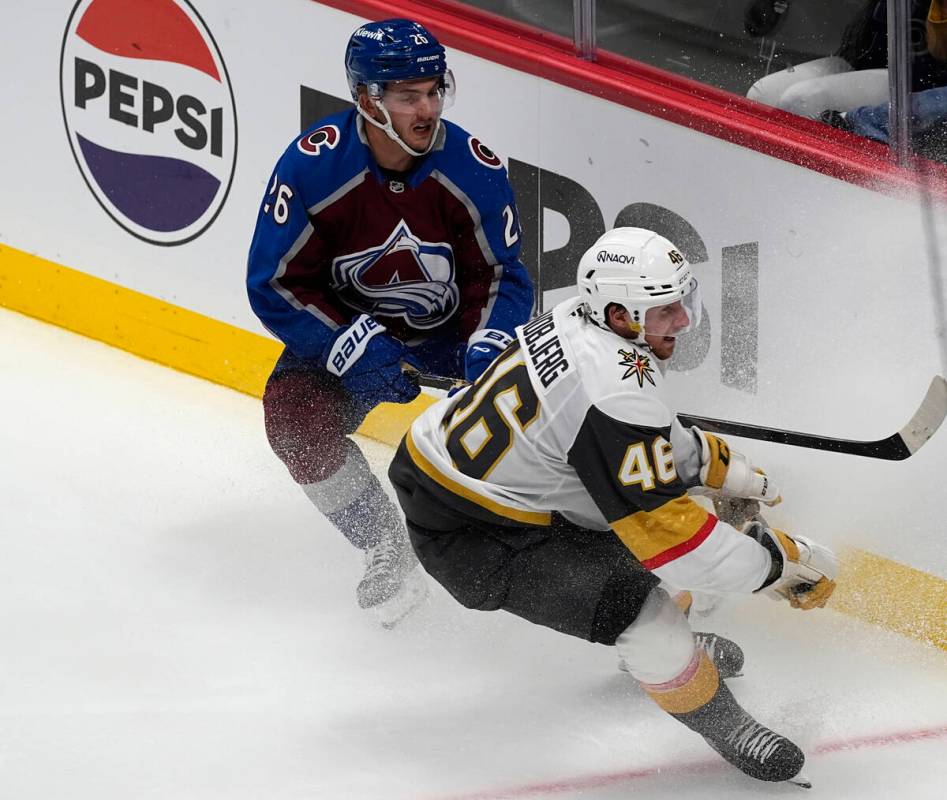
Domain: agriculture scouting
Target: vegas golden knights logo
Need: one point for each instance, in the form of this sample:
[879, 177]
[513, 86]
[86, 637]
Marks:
[638, 366]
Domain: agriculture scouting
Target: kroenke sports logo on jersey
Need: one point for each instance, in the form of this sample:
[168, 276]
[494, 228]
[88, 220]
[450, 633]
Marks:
[150, 115]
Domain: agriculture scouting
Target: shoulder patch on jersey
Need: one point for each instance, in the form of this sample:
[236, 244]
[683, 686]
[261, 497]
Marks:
[484, 154]
[637, 365]
[327, 136]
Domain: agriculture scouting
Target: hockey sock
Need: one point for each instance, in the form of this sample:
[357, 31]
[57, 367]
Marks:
[691, 689]
[354, 501]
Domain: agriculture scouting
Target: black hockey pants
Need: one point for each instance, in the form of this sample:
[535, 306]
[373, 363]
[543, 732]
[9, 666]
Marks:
[582, 582]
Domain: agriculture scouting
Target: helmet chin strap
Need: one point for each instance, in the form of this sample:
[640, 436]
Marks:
[389, 129]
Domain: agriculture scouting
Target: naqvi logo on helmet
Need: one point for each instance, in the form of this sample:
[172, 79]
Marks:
[150, 115]
[619, 258]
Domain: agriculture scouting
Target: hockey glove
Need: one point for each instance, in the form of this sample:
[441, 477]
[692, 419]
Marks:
[368, 361]
[482, 347]
[803, 572]
[730, 473]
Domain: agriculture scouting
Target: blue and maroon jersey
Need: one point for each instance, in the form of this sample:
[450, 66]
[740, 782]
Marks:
[432, 253]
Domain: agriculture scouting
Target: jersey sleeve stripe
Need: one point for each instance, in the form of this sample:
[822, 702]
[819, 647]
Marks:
[281, 284]
[666, 533]
[518, 514]
[684, 547]
[344, 189]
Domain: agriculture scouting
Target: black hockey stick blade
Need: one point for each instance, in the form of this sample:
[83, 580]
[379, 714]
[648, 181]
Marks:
[896, 447]
[903, 444]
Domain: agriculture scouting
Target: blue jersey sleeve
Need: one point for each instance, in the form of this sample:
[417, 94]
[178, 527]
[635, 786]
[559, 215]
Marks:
[513, 302]
[502, 298]
[287, 272]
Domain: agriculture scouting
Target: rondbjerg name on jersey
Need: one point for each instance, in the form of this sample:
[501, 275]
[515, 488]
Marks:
[545, 351]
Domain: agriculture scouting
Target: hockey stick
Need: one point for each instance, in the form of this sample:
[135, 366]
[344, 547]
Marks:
[896, 447]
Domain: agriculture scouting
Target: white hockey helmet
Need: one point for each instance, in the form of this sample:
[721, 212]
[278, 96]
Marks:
[638, 269]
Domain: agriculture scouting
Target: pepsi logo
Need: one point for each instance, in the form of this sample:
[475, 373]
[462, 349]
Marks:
[150, 115]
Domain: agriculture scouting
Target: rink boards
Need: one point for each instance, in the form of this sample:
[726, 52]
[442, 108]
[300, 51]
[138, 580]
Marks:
[823, 308]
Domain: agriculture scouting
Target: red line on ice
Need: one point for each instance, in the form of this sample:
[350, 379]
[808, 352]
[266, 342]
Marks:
[591, 781]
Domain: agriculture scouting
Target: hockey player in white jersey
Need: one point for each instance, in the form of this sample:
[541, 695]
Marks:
[555, 488]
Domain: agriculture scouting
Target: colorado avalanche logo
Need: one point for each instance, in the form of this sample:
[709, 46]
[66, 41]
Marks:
[483, 154]
[404, 277]
[150, 115]
[639, 366]
[327, 136]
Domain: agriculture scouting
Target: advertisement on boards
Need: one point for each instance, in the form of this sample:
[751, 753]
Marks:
[150, 115]
[130, 170]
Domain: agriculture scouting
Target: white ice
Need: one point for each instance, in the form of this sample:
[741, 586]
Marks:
[178, 622]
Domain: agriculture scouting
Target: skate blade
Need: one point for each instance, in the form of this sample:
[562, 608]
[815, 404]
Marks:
[414, 592]
[801, 781]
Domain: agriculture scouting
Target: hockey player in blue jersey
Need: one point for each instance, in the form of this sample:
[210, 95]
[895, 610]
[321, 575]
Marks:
[387, 236]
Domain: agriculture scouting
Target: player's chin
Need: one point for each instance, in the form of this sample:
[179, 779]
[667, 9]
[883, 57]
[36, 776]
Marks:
[664, 348]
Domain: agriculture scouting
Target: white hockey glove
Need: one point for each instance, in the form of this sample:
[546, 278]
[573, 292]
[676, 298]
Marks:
[803, 572]
[730, 473]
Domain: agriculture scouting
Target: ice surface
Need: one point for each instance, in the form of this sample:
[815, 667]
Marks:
[179, 622]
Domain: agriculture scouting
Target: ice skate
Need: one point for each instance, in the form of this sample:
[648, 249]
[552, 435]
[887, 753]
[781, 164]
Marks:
[750, 746]
[725, 654]
[393, 583]
[413, 593]
[759, 752]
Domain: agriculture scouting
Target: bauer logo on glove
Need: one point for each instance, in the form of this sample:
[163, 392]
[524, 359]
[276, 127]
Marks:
[350, 345]
[482, 348]
[730, 473]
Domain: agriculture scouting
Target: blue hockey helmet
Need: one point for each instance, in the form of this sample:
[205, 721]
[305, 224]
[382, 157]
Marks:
[392, 50]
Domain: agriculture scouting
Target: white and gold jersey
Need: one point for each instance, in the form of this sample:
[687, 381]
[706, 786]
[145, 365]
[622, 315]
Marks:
[571, 419]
